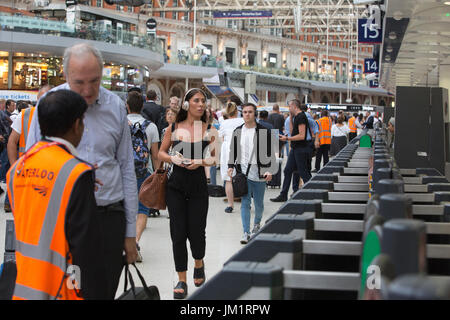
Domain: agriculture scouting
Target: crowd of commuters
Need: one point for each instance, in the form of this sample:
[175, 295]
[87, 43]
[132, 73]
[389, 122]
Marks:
[104, 149]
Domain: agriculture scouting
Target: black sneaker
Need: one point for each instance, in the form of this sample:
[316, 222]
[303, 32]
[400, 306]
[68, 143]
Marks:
[280, 198]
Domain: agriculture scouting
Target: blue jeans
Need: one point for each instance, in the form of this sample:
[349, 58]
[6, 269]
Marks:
[213, 174]
[142, 209]
[257, 190]
[297, 161]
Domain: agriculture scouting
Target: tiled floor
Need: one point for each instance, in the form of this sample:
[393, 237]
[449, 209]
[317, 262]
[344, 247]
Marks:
[223, 234]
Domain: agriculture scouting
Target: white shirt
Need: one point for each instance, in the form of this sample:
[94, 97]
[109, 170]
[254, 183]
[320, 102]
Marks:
[227, 127]
[339, 131]
[247, 146]
[14, 115]
[17, 124]
[66, 143]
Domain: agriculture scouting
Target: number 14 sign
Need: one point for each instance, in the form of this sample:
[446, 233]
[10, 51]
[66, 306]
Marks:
[369, 33]
[370, 66]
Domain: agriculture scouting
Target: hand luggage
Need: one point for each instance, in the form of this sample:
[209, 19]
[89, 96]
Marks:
[138, 293]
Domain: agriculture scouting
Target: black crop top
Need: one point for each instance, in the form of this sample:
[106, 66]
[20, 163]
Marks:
[191, 150]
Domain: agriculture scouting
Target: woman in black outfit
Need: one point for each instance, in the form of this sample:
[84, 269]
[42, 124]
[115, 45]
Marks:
[187, 191]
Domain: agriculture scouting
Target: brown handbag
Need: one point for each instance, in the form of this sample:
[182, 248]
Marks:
[153, 190]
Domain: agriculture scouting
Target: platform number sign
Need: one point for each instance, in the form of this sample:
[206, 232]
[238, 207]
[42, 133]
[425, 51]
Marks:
[370, 66]
[374, 83]
[369, 33]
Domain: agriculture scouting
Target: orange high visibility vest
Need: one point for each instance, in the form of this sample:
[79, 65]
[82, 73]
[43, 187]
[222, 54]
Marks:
[324, 130]
[352, 124]
[27, 116]
[40, 185]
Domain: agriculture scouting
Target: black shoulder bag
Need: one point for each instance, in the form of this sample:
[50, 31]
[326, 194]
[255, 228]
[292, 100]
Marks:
[239, 181]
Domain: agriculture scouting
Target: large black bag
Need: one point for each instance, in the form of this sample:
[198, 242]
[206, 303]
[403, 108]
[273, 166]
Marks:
[239, 181]
[240, 186]
[216, 190]
[138, 293]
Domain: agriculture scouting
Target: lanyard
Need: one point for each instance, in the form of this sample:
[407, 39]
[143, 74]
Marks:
[31, 153]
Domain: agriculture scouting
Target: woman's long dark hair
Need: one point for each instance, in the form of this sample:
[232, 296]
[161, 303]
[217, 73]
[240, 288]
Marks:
[182, 114]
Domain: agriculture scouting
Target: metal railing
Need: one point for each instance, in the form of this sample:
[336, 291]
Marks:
[61, 28]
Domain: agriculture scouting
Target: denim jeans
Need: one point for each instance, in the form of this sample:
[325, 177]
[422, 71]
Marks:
[142, 209]
[213, 174]
[257, 190]
[297, 161]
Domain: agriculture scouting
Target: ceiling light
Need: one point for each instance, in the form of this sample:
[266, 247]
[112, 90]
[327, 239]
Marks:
[392, 35]
[398, 15]
[389, 49]
[447, 3]
[387, 58]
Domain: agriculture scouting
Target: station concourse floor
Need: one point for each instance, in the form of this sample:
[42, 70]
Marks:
[223, 235]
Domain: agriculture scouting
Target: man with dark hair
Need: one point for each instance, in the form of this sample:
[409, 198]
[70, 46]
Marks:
[299, 155]
[263, 115]
[277, 121]
[54, 208]
[145, 139]
[251, 152]
[153, 111]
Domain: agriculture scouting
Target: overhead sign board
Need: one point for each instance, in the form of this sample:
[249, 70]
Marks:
[374, 83]
[241, 14]
[371, 66]
[71, 3]
[368, 32]
[151, 24]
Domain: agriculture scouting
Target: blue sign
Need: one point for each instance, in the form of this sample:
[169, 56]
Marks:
[242, 14]
[371, 66]
[373, 84]
[368, 33]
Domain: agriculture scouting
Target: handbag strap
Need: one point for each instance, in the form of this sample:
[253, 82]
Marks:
[129, 277]
[144, 284]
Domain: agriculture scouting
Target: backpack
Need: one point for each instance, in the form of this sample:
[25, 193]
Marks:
[141, 153]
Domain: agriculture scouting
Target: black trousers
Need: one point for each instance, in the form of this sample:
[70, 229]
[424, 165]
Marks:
[322, 152]
[113, 224]
[351, 136]
[188, 213]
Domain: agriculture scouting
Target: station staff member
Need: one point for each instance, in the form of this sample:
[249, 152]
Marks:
[323, 147]
[52, 197]
[353, 127]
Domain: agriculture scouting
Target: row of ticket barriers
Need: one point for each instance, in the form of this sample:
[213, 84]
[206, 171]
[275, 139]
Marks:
[361, 228]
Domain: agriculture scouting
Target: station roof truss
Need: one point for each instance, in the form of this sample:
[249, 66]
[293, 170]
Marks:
[337, 18]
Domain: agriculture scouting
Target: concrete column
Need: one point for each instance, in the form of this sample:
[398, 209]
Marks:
[187, 84]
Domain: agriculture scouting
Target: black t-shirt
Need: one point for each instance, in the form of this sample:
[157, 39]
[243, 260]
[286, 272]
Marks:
[277, 120]
[298, 120]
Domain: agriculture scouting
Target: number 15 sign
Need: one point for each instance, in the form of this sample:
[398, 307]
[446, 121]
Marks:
[369, 33]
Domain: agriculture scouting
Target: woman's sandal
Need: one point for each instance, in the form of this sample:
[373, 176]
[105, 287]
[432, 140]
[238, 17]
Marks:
[199, 273]
[180, 295]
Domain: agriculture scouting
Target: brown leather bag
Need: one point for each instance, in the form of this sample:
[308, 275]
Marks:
[153, 190]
